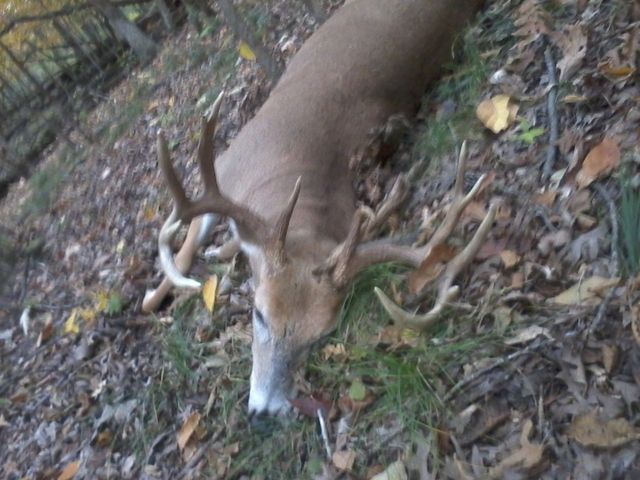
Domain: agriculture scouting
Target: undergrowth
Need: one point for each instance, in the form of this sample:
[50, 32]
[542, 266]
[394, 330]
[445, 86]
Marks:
[629, 212]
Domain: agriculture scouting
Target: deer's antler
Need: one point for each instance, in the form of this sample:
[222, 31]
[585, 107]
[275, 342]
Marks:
[252, 228]
[351, 258]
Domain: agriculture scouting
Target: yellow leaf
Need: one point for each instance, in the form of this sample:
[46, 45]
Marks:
[246, 52]
[497, 113]
[187, 429]
[102, 300]
[69, 471]
[622, 71]
[71, 325]
[599, 162]
[87, 314]
[587, 292]
[572, 98]
[209, 290]
[149, 213]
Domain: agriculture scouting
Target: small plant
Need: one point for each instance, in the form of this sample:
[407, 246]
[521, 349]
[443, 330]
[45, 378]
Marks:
[114, 304]
[629, 211]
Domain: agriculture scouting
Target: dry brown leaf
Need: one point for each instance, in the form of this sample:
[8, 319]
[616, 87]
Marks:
[528, 334]
[431, 267]
[587, 292]
[546, 199]
[517, 280]
[69, 471]
[335, 351]
[46, 333]
[599, 162]
[509, 258]
[395, 471]
[344, 459]
[573, 43]
[187, 429]
[209, 290]
[527, 457]
[610, 356]
[589, 430]
[497, 113]
[616, 72]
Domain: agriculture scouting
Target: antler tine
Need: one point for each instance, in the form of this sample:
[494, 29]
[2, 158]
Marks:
[171, 177]
[167, 233]
[459, 203]
[339, 261]
[205, 146]
[447, 292]
[279, 234]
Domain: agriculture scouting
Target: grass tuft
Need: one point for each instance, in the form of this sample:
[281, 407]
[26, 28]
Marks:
[629, 211]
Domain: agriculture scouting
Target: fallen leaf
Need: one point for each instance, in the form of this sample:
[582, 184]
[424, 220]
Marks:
[335, 351]
[528, 334]
[344, 459]
[310, 405]
[553, 240]
[572, 98]
[610, 357]
[591, 431]
[69, 471]
[616, 72]
[431, 267]
[71, 325]
[546, 199]
[246, 52]
[587, 292]
[509, 258]
[526, 458]
[357, 390]
[599, 162]
[497, 113]
[209, 290]
[348, 405]
[187, 429]
[46, 332]
[395, 471]
[573, 43]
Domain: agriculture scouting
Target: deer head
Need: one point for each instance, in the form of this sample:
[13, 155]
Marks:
[299, 279]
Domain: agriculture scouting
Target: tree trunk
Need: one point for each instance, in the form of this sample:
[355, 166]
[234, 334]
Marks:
[142, 45]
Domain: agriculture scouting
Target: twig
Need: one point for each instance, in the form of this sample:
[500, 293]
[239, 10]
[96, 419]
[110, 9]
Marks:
[474, 376]
[615, 256]
[323, 430]
[552, 115]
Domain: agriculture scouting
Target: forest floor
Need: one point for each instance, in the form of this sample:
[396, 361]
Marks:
[533, 373]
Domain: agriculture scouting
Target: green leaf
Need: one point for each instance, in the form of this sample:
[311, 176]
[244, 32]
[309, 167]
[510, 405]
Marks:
[357, 391]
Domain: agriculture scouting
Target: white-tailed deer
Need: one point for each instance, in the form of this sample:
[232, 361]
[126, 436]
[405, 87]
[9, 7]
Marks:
[286, 185]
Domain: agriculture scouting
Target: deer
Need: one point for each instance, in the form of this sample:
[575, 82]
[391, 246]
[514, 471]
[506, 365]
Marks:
[286, 187]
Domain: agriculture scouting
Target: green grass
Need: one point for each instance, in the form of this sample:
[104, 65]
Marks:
[462, 88]
[629, 212]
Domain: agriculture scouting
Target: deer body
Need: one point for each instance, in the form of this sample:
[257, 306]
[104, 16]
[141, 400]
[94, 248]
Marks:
[370, 60]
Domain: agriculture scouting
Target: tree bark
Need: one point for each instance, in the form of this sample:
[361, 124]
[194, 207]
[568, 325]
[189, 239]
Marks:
[141, 44]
